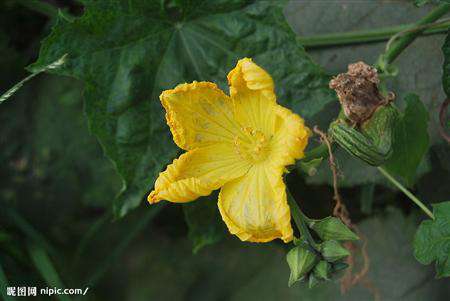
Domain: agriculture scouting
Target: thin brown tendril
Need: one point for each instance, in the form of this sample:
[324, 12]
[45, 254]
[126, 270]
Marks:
[340, 210]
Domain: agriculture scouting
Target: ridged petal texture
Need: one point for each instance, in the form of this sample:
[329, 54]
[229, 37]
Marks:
[239, 143]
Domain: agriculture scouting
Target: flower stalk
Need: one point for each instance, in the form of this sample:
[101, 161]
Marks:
[411, 196]
[300, 220]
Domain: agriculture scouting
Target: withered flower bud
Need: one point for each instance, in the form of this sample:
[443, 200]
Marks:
[358, 92]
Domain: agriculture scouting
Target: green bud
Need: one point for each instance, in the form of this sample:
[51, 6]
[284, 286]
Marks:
[339, 266]
[312, 281]
[332, 250]
[322, 270]
[300, 260]
[372, 141]
[331, 228]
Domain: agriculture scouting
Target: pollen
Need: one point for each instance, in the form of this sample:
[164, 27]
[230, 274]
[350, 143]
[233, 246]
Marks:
[252, 145]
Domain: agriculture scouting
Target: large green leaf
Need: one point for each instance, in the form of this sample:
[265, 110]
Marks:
[127, 52]
[411, 140]
[432, 240]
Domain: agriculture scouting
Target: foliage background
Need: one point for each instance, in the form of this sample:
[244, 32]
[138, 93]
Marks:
[57, 188]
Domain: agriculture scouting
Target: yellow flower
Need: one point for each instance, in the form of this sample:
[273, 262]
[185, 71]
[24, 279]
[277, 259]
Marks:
[240, 143]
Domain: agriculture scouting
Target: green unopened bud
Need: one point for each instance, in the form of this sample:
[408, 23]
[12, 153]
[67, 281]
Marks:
[339, 266]
[333, 251]
[312, 281]
[372, 141]
[331, 228]
[300, 261]
[322, 270]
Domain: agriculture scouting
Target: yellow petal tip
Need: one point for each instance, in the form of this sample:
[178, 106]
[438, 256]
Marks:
[153, 197]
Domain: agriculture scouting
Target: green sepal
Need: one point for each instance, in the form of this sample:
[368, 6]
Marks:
[300, 260]
[332, 228]
[372, 141]
[322, 270]
[312, 281]
[338, 266]
[333, 251]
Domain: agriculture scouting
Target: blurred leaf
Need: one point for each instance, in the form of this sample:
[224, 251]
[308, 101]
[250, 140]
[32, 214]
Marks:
[204, 221]
[420, 3]
[127, 52]
[432, 240]
[89, 235]
[45, 266]
[30, 232]
[114, 253]
[411, 140]
[63, 150]
[366, 198]
[3, 285]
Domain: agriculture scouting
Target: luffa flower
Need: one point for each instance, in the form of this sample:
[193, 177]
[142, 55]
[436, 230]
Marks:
[240, 143]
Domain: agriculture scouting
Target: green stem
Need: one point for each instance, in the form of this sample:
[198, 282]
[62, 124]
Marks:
[411, 196]
[300, 220]
[401, 43]
[363, 36]
[320, 151]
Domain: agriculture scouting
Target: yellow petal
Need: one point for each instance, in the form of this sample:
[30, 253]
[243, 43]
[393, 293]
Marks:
[252, 91]
[247, 77]
[289, 139]
[197, 173]
[255, 208]
[199, 114]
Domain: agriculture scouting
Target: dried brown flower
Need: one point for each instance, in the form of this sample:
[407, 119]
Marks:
[358, 92]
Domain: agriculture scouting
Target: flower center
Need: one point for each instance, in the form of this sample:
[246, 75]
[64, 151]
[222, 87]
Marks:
[252, 145]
